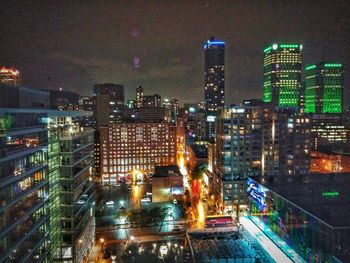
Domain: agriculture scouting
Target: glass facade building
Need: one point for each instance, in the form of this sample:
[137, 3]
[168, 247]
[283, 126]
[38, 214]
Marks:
[214, 81]
[310, 213]
[324, 88]
[77, 191]
[46, 192]
[24, 187]
[282, 74]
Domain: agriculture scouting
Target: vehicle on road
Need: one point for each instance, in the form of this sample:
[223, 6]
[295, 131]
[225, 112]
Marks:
[175, 202]
[110, 203]
[80, 202]
[122, 208]
[177, 228]
[145, 200]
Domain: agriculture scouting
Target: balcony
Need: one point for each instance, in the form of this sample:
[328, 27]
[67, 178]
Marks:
[24, 172]
[24, 197]
[20, 243]
[20, 216]
[5, 155]
[67, 135]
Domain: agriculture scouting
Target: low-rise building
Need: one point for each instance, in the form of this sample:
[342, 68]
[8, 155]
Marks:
[309, 212]
[167, 184]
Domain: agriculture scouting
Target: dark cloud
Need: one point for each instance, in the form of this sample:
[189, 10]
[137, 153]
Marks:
[159, 44]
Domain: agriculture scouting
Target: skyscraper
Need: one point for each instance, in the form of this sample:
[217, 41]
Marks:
[109, 103]
[139, 97]
[324, 88]
[214, 78]
[46, 191]
[282, 74]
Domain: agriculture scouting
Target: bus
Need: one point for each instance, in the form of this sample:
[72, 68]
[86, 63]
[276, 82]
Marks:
[219, 221]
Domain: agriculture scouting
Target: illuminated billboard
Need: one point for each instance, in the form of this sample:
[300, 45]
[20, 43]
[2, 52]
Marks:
[257, 193]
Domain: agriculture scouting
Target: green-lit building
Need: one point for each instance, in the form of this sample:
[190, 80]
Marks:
[282, 74]
[46, 192]
[324, 88]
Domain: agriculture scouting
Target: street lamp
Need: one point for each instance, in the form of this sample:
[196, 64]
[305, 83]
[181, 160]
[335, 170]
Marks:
[102, 241]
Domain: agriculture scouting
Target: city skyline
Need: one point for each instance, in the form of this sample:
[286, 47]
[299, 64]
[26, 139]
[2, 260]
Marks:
[167, 57]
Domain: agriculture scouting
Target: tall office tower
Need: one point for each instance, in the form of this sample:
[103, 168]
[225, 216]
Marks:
[130, 104]
[64, 100]
[238, 152]
[109, 109]
[329, 133]
[214, 81]
[139, 97]
[9, 76]
[286, 144]
[195, 122]
[126, 147]
[77, 190]
[109, 103]
[152, 101]
[282, 74]
[174, 106]
[24, 187]
[166, 103]
[324, 88]
[46, 208]
[88, 103]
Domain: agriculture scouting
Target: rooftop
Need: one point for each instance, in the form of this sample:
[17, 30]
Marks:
[221, 247]
[325, 196]
[166, 171]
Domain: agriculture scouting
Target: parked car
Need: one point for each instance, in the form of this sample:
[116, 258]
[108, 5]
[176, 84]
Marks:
[110, 203]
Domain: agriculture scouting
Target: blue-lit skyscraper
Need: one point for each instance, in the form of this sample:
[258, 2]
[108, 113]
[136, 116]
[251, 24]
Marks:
[214, 75]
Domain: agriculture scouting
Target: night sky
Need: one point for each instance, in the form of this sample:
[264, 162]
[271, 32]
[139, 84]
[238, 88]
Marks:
[159, 44]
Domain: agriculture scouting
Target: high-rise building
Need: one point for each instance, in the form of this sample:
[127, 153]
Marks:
[139, 97]
[237, 152]
[130, 104]
[174, 107]
[127, 147]
[152, 101]
[194, 121]
[329, 133]
[63, 100]
[109, 109]
[282, 74]
[24, 187]
[77, 189]
[214, 81]
[324, 88]
[166, 103]
[46, 205]
[9, 76]
[109, 103]
[23, 97]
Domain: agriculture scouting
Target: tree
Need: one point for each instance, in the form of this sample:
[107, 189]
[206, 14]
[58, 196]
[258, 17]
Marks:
[198, 171]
